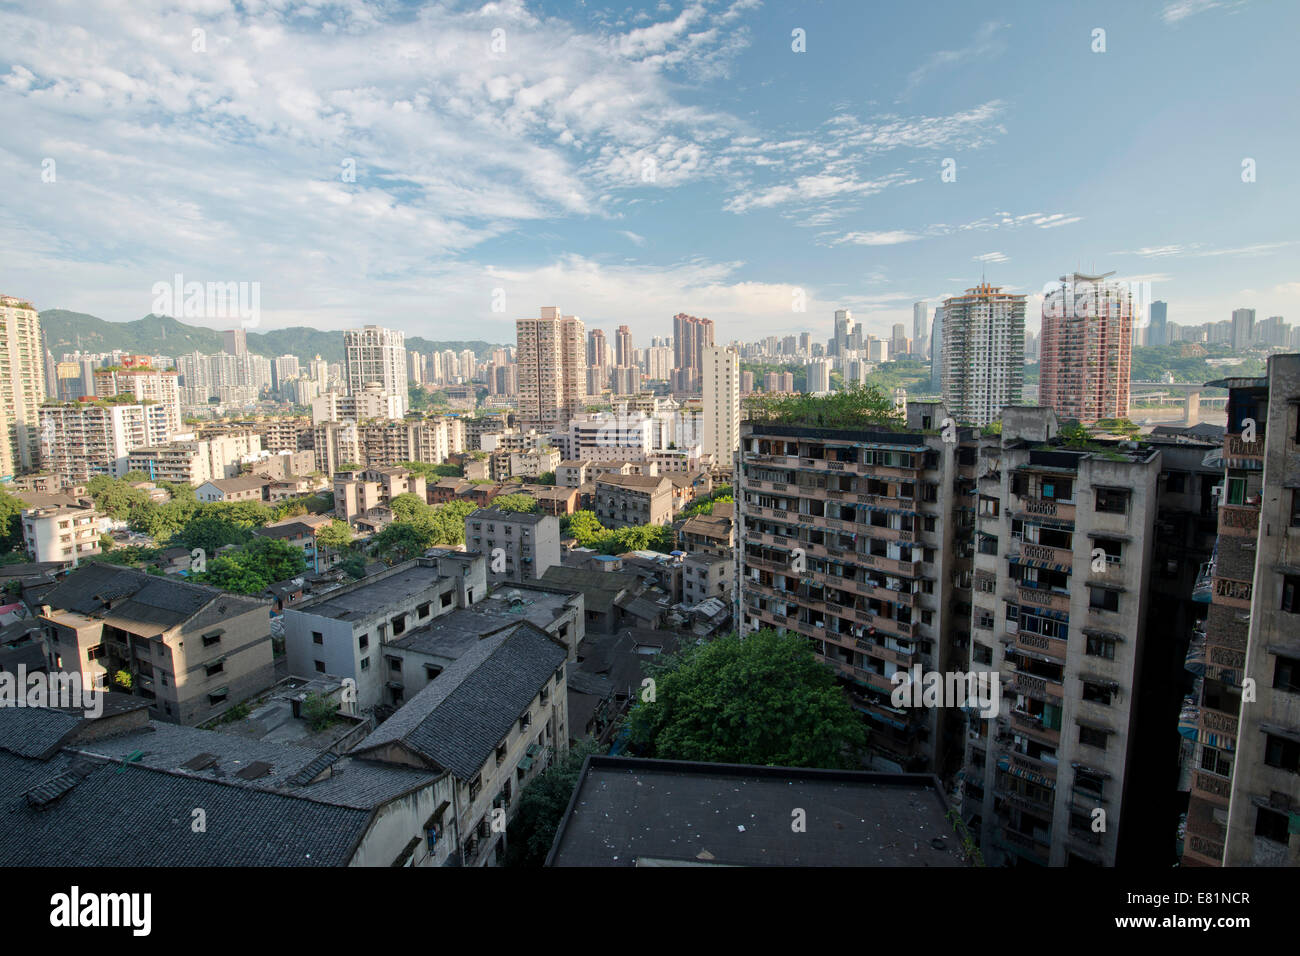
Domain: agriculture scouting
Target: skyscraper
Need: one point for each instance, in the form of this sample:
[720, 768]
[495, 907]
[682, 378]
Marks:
[377, 355]
[623, 347]
[1086, 348]
[691, 336]
[919, 329]
[936, 353]
[22, 384]
[844, 326]
[1243, 328]
[1158, 332]
[234, 341]
[898, 341]
[721, 387]
[983, 353]
[552, 374]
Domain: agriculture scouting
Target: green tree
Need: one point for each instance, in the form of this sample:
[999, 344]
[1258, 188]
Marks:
[585, 527]
[211, 532]
[546, 478]
[11, 521]
[408, 507]
[761, 700]
[319, 711]
[404, 540]
[518, 503]
[336, 536]
[541, 807]
[115, 497]
[255, 567]
[355, 565]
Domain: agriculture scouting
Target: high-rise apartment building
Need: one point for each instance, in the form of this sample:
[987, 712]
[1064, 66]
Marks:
[691, 336]
[817, 376]
[135, 377]
[84, 439]
[1244, 715]
[22, 384]
[920, 329]
[552, 373]
[721, 392]
[1064, 539]
[1086, 348]
[844, 328]
[234, 341]
[850, 537]
[936, 353]
[377, 355]
[1158, 329]
[1242, 329]
[623, 347]
[983, 353]
[898, 344]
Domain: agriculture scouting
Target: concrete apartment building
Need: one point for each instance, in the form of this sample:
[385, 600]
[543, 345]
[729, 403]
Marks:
[493, 719]
[377, 357]
[61, 531]
[191, 651]
[358, 493]
[1244, 800]
[431, 440]
[983, 353]
[1064, 541]
[551, 357]
[1086, 346]
[84, 439]
[145, 384]
[720, 376]
[300, 531]
[22, 384]
[345, 632]
[707, 576]
[625, 500]
[859, 538]
[533, 463]
[528, 543]
[194, 461]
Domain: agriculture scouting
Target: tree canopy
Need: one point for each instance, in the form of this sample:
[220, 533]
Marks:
[762, 700]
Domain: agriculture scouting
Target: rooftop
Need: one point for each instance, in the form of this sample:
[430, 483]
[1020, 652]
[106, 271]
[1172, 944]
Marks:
[374, 595]
[636, 812]
[641, 482]
[452, 634]
[513, 517]
[458, 719]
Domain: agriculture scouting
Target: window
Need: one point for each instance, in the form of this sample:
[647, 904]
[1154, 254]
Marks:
[1101, 647]
[1112, 547]
[1286, 674]
[501, 753]
[431, 671]
[981, 654]
[446, 599]
[1112, 500]
[1176, 482]
[1282, 753]
[1103, 599]
[1236, 491]
[365, 663]
[1216, 761]
[1295, 508]
[216, 668]
[1092, 737]
[211, 638]
[218, 698]
[395, 665]
[423, 610]
[1291, 593]
[1097, 693]
[317, 637]
[320, 666]
[525, 722]
[363, 641]
[1271, 824]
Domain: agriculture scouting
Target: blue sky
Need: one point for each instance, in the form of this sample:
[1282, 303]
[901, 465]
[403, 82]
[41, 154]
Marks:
[630, 162]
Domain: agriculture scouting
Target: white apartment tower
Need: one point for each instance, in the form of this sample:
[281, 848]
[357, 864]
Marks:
[983, 353]
[721, 386]
[22, 384]
[377, 355]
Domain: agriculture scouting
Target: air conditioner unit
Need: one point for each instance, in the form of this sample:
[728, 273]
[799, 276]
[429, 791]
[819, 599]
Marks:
[1217, 491]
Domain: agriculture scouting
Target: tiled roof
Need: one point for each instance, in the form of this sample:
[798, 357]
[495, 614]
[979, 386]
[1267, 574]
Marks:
[459, 718]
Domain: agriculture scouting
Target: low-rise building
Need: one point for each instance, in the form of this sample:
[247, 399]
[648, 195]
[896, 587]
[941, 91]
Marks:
[626, 500]
[518, 546]
[189, 650]
[356, 493]
[707, 576]
[243, 488]
[300, 531]
[61, 531]
[494, 719]
[573, 473]
[344, 631]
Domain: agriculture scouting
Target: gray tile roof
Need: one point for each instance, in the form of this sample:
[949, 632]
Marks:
[35, 732]
[143, 604]
[136, 816]
[459, 718]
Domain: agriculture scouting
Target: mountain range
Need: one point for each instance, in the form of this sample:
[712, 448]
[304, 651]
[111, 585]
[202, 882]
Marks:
[163, 335]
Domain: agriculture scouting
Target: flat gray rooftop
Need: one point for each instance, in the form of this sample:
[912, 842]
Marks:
[452, 634]
[375, 597]
[632, 812]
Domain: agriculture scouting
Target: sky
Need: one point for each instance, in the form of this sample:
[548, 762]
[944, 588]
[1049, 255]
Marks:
[447, 168]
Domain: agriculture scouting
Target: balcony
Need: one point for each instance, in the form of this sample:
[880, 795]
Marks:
[1238, 521]
[1027, 724]
[1044, 508]
[1203, 589]
[1042, 555]
[1211, 787]
[1232, 593]
[1043, 597]
[1244, 455]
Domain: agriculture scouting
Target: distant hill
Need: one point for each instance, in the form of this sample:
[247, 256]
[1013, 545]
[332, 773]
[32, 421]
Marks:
[162, 335]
